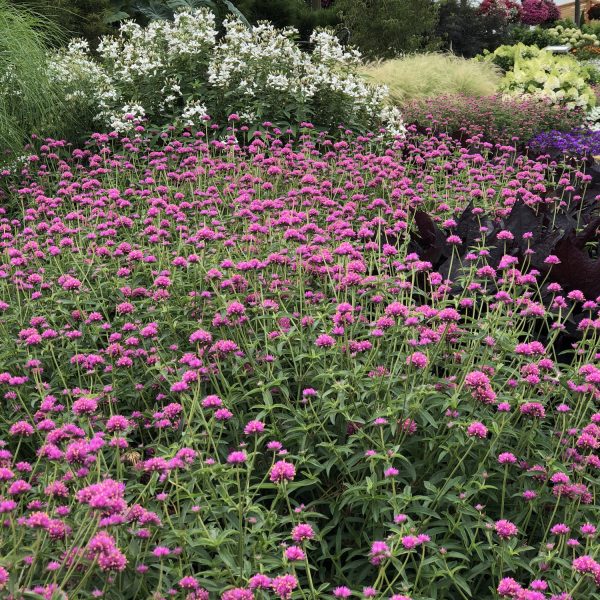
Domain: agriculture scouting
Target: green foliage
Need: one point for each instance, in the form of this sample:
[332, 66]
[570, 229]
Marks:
[538, 36]
[427, 75]
[145, 11]
[29, 102]
[465, 31]
[387, 28]
[289, 13]
[78, 18]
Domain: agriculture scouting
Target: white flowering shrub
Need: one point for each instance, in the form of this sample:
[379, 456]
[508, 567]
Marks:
[592, 119]
[88, 89]
[178, 71]
[263, 70]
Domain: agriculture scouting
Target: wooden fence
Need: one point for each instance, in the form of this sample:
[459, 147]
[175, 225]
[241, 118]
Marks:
[567, 11]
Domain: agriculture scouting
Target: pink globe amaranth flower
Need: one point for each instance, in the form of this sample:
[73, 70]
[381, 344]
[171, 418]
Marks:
[505, 529]
[254, 427]
[4, 577]
[294, 553]
[200, 336]
[238, 594]
[212, 401]
[284, 585]
[223, 414]
[477, 429]
[117, 423]
[417, 359]
[237, 457]
[188, 583]
[369, 592]
[259, 582]
[21, 428]
[303, 532]
[85, 406]
[585, 564]
[538, 584]
[342, 592]
[533, 409]
[400, 597]
[282, 471]
[507, 458]
[588, 529]
[198, 594]
[409, 542]
[380, 551]
[161, 551]
[324, 341]
[560, 529]
[508, 587]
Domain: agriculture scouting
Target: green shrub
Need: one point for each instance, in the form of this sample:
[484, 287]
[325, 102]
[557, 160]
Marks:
[465, 31]
[573, 36]
[505, 56]
[387, 28]
[538, 36]
[427, 75]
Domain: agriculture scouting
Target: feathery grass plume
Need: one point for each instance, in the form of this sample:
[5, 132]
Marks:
[29, 101]
[432, 74]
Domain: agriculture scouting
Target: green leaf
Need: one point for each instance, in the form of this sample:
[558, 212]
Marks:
[114, 17]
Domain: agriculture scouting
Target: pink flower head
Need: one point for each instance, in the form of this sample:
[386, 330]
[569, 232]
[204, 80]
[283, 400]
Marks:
[188, 583]
[508, 587]
[237, 458]
[477, 429]
[507, 458]
[283, 586]
[259, 582]
[282, 471]
[342, 592]
[505, 529]
[238, 594]
[417, 359]
[379, 552]
[324, 341]
[254, 427]
[302, 532]
[294, 553]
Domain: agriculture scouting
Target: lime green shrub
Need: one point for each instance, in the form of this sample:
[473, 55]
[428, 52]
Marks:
[530, 71]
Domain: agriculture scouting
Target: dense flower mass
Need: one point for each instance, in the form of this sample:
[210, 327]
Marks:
[264, 365]
[181, 70]
[579, 143]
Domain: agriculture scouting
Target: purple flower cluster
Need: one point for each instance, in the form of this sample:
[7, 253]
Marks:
[578, 143]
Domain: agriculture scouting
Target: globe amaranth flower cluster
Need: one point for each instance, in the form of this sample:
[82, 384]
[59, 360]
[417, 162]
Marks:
[234, 368]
